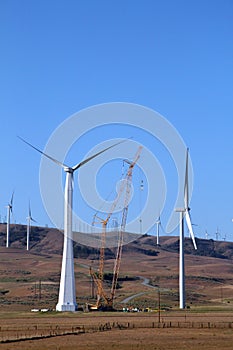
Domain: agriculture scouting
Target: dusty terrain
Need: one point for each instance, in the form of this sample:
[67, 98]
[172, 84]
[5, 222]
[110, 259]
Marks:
[31, 280]
[142, 339]
[176, 330]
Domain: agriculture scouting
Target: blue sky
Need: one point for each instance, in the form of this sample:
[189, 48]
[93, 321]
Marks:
[176, 57]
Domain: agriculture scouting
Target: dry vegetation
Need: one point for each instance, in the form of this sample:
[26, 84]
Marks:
[31, 280]
[183, 330]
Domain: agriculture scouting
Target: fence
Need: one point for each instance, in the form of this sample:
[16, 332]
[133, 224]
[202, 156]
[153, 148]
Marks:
[33, 332]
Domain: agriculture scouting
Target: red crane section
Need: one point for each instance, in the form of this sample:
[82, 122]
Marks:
[98, 279]
[123, 222]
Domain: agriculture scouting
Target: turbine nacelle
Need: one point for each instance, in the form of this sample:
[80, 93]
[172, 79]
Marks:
[30, 218]
[67, 169]
[180, 210]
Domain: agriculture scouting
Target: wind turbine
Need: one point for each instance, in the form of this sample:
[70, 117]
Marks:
[67, 293]
[217, 234]
[9, 213]
[29, 219]
[184, 212]
[158, 225]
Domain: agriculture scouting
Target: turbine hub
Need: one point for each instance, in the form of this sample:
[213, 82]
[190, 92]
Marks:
[68, 170]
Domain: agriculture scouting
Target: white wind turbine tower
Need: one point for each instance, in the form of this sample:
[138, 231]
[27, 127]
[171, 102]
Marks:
[158, 225]
[184, 212]
[217, 234]
[67, 293]
[29, 219]
[9, 213]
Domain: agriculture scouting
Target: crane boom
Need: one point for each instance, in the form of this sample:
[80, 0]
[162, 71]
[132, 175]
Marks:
[104, 223]
[98, 279]
[123, 223]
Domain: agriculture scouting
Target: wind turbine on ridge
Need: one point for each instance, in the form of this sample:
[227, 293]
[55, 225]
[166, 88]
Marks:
[9, 213]
[158, 225]
[184, 212]
[67, 292]
[29, 219]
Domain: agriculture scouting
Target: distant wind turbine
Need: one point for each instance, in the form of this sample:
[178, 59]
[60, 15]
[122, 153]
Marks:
[184, 212]
[158, 225]
[217, 234]
[29, 219]
[67, 293]
[9, 213]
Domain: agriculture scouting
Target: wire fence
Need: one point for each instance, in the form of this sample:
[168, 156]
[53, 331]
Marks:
[10, 334]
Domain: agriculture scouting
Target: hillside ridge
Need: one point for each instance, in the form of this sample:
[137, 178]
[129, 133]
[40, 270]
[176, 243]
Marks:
[44, 240]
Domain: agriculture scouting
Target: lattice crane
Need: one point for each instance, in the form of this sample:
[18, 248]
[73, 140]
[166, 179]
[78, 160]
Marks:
[123, 223]
[98, 279]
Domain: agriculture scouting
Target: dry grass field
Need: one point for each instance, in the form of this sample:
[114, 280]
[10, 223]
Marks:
[176, 330]
[31, 280]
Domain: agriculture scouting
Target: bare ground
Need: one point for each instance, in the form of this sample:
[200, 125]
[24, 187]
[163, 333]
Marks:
[138, 336]
[148, 339]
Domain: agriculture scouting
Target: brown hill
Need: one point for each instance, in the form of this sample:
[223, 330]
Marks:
[31, 279]
[50, 241]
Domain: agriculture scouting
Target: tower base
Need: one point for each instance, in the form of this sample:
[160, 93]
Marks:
[66, 307]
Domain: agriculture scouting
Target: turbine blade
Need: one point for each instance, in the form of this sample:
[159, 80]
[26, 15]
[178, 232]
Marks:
[44, 154]
[190, 228]
[96, 155]
[186, 183]
[29, 210]
[12, 197]
[30, 213]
